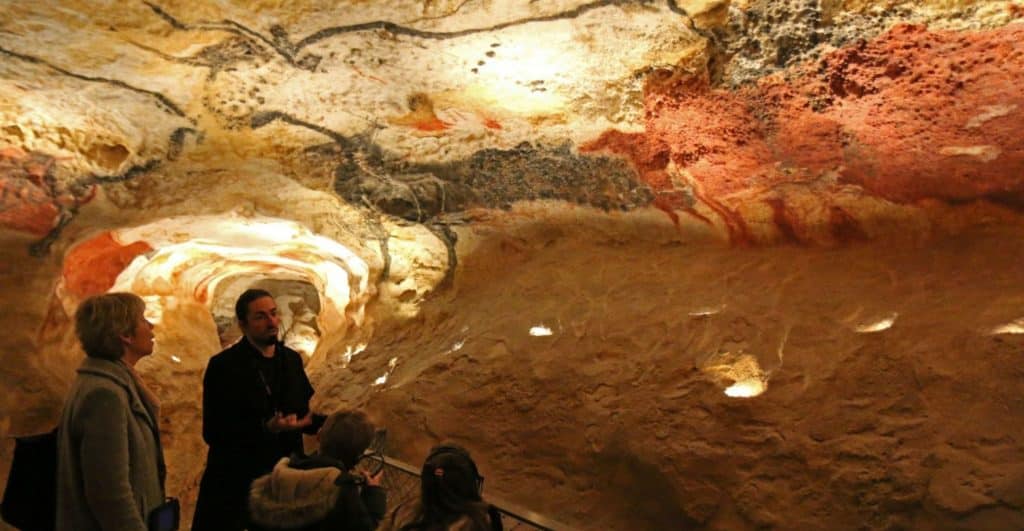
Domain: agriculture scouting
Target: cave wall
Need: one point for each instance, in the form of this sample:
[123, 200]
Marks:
[680, 191]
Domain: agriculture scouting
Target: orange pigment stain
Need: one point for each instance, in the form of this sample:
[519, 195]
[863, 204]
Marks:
[93, 266]
[913, 115]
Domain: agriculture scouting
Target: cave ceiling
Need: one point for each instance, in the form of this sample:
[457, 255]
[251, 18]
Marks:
[796, 120]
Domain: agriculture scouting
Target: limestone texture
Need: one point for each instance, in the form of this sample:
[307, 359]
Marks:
[660, 264]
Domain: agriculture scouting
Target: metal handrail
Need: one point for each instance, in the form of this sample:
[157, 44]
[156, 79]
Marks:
[513, 517]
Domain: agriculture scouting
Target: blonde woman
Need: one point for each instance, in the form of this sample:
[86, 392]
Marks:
[110, 466]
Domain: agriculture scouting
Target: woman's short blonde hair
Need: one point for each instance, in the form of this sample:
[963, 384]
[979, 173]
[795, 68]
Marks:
[100, 321]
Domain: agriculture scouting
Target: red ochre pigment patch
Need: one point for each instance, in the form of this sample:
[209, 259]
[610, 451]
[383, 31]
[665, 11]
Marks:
[93, 266]
[26, 203]
[913, 115]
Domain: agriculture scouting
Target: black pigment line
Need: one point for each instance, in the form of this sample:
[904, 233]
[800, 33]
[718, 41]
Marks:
[164, 100]
[450, 238]
[289, 51]
[674, 7]
[442, 35]
[261, 119]
[227, 25]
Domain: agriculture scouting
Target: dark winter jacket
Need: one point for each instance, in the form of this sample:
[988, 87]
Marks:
[236, 407]
[313, 494]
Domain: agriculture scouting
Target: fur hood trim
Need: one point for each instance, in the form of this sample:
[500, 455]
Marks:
[289, 497]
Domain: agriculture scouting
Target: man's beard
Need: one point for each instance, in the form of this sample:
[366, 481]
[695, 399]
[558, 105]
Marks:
[266, 341]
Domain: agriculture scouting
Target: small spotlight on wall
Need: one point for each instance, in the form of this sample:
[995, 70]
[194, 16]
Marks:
[706, 311]
[878, 326]
[175, 359]
[1016, 327]
[540, 330]
[745, 389]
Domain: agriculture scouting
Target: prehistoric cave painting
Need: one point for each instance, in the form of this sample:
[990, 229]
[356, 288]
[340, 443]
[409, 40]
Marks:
[30, 198]
[912, 116]
[490, 178]
[440, 194]
[93, 266]
[37, 198]
[34, 202]
[249, 67]
[163, 101]
[280, 42]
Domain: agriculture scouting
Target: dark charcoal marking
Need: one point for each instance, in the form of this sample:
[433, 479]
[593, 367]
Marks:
[261, 119]
[178, 141]
[450, 238]
[284, 49]
[78, 189]
[289, 51]
[435, 194]
[224, 25]
[164, 101]
[396, 29]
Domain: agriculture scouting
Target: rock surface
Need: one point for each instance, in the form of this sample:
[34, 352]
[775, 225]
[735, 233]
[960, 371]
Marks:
[724, 264]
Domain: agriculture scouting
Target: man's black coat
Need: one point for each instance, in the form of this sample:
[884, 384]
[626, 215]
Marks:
[237, 403]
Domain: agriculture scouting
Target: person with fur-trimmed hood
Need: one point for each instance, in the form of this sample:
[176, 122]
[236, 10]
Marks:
[322, 491]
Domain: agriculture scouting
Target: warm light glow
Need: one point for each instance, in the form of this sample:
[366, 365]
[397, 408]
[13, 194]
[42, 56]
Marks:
[382, 380]
[194, 254]
[351, 351]
[175, 359]
[521, 75]
[540, 330]
[747, 388]
[303, 344]
[743, 372]
[457, 346]
[706, 310]
[154, 309]
[1015, 327]
[878, 326]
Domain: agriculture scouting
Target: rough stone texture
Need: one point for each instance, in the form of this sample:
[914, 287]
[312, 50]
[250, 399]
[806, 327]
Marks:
[438, 144]
[761, 37]
[914, 115]
[611, 422]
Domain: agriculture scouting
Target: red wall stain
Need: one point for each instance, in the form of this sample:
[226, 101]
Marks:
[26, 201]
[92, 267]
[432, 124]
[31, 199]
[913, 115]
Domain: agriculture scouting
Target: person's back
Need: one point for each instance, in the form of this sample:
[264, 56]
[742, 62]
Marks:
[450, 497]
[313, 494]
[320, 492]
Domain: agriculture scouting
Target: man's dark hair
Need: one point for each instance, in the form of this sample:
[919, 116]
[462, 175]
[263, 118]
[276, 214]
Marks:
[242, 305]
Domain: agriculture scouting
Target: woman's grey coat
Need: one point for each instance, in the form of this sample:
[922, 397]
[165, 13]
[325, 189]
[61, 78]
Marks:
[110, 467]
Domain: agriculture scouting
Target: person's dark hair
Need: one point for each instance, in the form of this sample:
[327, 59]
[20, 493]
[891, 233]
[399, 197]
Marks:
[345, 435]
[101, 320]
[242, 304]
[449, 490]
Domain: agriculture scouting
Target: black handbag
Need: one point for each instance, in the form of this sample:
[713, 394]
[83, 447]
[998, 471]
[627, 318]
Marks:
[30, 498]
